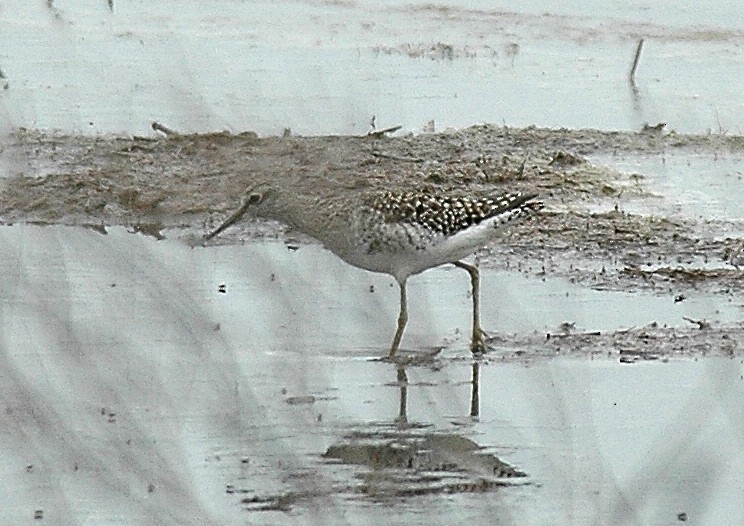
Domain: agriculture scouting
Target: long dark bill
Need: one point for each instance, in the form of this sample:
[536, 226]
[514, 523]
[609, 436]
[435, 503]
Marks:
[235, 216]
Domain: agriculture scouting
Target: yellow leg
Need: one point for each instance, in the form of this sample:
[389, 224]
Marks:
[478, 344]
[402, 320]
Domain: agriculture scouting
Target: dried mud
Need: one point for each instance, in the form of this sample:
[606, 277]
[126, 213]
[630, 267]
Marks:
[651, 342]
[183, 185]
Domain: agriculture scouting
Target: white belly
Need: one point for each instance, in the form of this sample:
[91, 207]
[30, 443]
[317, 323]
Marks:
[405, 250]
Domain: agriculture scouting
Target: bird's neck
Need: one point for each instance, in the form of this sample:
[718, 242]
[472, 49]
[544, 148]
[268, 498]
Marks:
[326, 219]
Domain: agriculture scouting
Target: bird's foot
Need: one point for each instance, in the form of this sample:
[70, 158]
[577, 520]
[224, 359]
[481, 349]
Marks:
[479, 345]
[412, 357]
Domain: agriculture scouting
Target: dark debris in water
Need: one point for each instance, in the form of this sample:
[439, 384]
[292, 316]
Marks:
[281, 502]
[689, 275]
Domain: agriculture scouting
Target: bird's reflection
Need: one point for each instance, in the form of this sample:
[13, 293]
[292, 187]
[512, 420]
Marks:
[405, 458]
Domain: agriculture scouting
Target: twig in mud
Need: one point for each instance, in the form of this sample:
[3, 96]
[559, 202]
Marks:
[721, 131]
[521, 168]
[636, 59]
[572, 334]
[379, 133]
[397, 158]
[653, 128]
[735, 256]
[702, 324]
[162, 128]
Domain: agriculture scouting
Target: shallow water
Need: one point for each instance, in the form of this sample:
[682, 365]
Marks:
[329, 67]
[134, 390]
[693, 186]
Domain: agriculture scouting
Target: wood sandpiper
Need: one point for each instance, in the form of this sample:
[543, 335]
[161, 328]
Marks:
[397, 233]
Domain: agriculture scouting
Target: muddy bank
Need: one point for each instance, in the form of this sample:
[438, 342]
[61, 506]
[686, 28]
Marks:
[630, 345]
[182, 185]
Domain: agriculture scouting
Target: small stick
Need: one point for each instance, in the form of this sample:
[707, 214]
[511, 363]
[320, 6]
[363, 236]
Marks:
[396, 158]
[378, 133]
[702, 324]
[635, 61]
[164, 129]
[573, 334]
[235, 216]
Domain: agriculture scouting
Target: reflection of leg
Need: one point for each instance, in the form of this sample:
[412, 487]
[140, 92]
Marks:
[475, 394]
[478, 344]
[402, 376]
[402, 419]
[402, 320]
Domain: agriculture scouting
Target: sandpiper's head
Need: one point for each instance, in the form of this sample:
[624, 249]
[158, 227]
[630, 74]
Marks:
[256, 196]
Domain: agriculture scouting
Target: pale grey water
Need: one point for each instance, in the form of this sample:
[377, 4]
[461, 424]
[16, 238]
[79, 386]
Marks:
[693, 186]
[312, 66]
[124, 368]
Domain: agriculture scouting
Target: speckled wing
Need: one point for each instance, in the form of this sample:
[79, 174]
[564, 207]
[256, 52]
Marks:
[448, 214]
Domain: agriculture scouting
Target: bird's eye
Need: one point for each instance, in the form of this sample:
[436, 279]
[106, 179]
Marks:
[254, 199]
